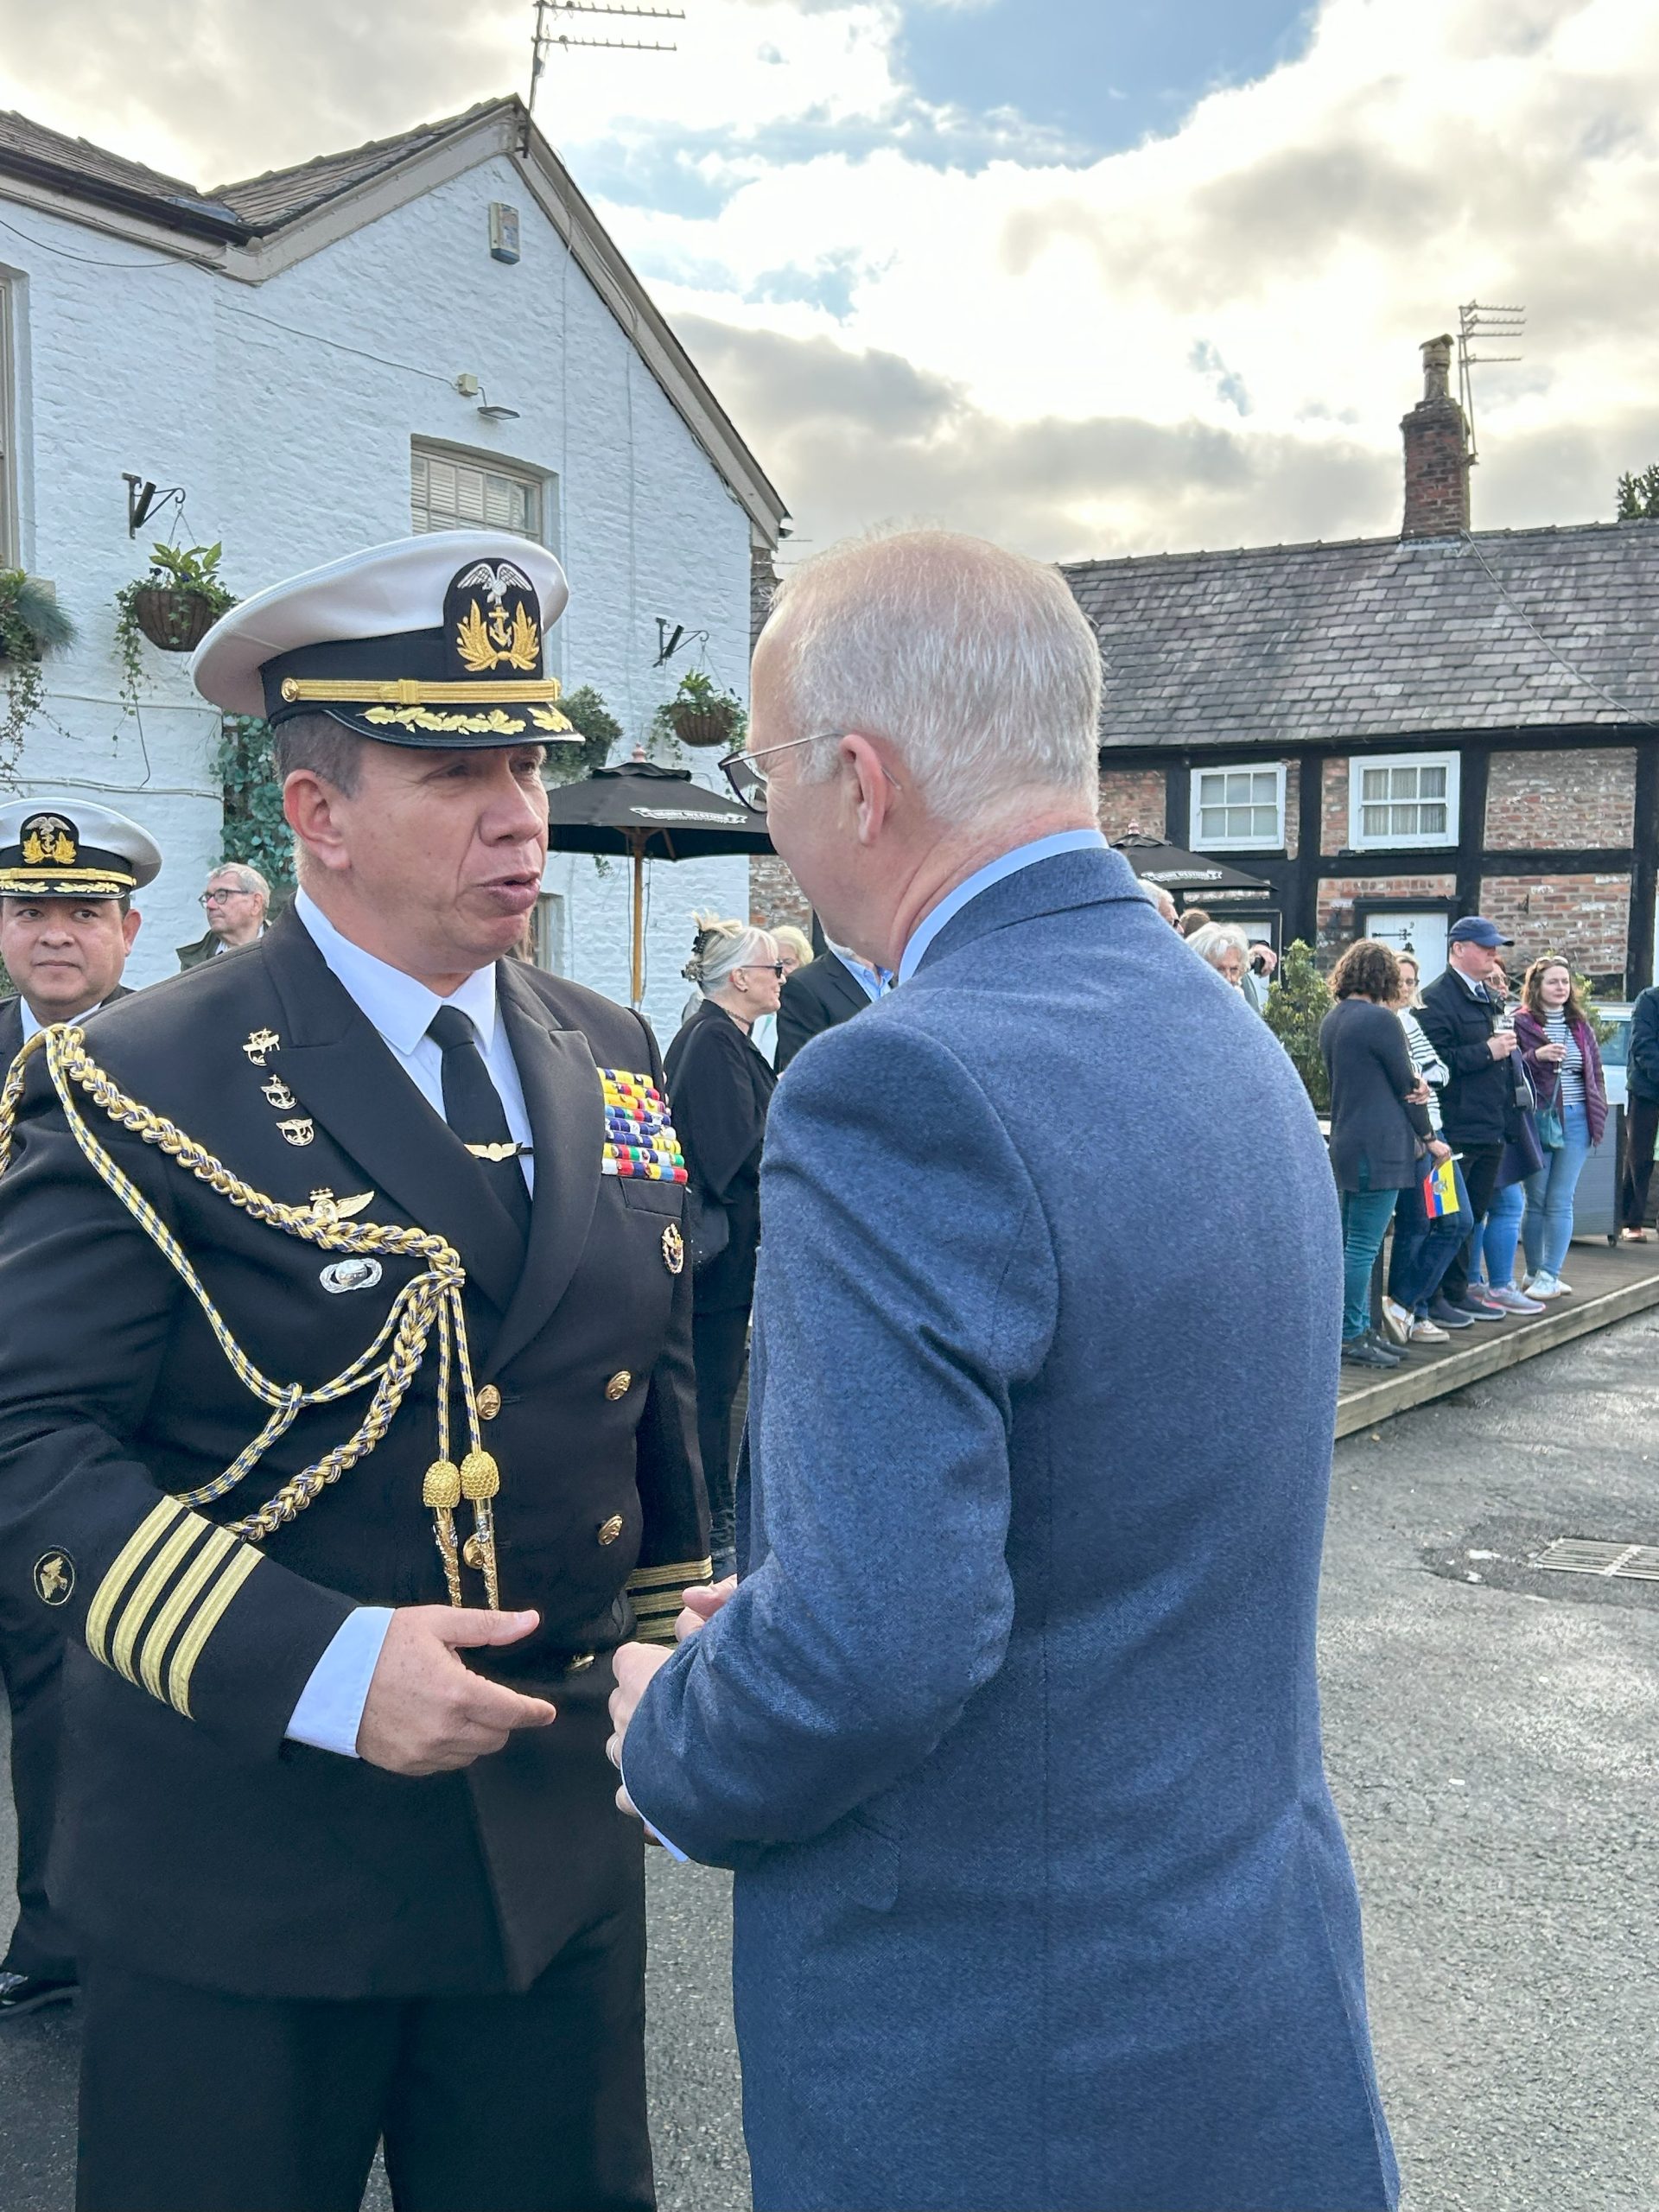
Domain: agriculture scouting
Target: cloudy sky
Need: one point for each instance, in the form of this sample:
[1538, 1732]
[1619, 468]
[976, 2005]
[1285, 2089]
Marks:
[1090, 276]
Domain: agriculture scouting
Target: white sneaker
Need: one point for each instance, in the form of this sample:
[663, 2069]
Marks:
[1514, 1301]
[1544, 1285]
[1425, 1332]
[1396, 1321]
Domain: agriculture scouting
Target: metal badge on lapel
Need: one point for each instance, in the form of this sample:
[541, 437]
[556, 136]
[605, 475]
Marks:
[673, 1249]
[261, 1041]
[328, 1210]
[276, 1093]
[360, 1273]
[298, 1132]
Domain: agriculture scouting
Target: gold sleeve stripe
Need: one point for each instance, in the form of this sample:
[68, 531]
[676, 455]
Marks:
[156, 1577]
[209, 1613]
[149, 1532]
[188, 1588]
[677, 1577]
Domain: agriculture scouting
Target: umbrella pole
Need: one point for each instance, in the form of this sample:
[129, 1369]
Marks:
[638, 921]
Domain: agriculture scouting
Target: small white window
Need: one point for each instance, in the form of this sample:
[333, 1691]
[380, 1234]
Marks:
[1402, 800]
[10, 552]
[547, 934]
[1238, 809]
[448, 491]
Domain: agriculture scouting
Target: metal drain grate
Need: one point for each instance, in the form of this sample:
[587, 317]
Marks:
[1584, 1556]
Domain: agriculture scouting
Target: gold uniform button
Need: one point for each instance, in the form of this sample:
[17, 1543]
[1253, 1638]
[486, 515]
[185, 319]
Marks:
[611, 1529]
[489, 1402]
[619, 1385]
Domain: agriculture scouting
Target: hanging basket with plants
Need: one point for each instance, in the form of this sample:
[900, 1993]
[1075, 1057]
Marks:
[587, 713]
[174, 606]
[700, 714]
[32, 625]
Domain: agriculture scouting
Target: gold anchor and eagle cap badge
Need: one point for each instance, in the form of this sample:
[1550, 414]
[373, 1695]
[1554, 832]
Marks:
[68, 848]
[434, 641]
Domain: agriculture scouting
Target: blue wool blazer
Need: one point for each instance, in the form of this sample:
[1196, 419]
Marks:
[1012, 1729]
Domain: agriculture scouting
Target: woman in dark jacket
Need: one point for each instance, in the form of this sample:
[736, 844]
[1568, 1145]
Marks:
[1380, 1128]
[720, 1088]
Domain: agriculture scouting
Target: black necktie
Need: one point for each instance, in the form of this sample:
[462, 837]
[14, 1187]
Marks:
[472, 1108]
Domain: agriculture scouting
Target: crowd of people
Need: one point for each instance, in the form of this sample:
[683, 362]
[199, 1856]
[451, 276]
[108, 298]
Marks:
[1463, 1122]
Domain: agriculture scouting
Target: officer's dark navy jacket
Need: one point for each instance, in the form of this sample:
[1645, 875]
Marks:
[209, 1848]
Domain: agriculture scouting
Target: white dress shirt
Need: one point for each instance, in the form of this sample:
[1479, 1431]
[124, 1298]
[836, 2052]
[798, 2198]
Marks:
[31, 1027]
[330, 1709]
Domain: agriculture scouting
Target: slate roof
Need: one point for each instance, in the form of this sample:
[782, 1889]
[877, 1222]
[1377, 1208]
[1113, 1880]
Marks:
[80, 167]
[1378, 639]
[266, 203]
[254, 208]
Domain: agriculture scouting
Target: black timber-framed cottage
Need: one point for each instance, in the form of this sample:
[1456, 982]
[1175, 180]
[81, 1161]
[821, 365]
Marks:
[1392, 731]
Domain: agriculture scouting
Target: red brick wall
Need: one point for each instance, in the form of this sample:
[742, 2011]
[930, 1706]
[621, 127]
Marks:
[1339, 897]
[1133, 797]
[1333, 807]
[1554, 802]
[1586, 917]
[774, 895]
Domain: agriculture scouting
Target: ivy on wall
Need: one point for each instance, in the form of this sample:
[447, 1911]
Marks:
[255, 831]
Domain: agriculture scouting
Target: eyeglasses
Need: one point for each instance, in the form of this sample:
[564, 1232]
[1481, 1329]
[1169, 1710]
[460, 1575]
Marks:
[762, 967]
[743, 771]
[217, 898]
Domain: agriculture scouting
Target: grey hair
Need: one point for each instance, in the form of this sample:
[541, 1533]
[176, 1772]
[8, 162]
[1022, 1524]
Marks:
[318, 742]
[1216, 937]
[1157, 895]
[720, 946]
[243, 877]
[976, 664]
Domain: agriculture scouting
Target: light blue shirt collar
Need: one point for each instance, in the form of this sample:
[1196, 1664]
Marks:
[399, 1006]
[1022, 856]
[873, 981]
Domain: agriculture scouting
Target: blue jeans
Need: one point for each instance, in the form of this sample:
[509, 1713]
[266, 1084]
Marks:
[1549, 1196]
[1365, 1217]
[1424, 1245]
[1499, 1234]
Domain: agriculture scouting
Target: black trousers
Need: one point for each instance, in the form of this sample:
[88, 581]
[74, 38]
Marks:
[719, 1342]
[31, 1660]
[1641, 1129]
[196, 2101]
[1480, 1164]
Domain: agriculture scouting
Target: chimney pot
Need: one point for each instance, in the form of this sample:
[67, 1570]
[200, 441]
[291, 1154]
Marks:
[1437, 453]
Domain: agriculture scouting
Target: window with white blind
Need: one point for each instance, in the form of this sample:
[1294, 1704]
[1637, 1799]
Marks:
[457, 491]
[1238, 809]
[1402, 800]
[10, 549]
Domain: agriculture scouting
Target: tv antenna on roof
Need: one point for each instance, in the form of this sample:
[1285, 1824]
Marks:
[1476, 322]
[551, 16]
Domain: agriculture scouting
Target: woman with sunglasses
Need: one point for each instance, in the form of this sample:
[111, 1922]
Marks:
[720, 1087]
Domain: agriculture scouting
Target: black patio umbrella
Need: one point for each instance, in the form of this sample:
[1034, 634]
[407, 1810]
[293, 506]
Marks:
[1155, 862]
[649, 813]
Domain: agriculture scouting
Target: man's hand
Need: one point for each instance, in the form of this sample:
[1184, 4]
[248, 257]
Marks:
[1439, 1151]
[1501, 1044]
[1419, 1095]
[634, 1664]
[425, 1712]
[702, 1603]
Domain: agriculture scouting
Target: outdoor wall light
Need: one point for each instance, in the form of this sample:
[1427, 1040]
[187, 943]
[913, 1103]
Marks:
[499, 414]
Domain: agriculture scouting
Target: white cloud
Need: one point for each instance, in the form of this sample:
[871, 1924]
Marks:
[1076, 334]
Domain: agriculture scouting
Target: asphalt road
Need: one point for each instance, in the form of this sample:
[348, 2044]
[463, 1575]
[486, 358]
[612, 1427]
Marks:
[1491, 1736]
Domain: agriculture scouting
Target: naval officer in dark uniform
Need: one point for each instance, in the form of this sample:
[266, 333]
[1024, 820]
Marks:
[374, 1435]
[67, 872]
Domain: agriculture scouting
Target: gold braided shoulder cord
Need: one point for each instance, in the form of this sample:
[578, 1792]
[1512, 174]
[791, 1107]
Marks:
[432, 1298]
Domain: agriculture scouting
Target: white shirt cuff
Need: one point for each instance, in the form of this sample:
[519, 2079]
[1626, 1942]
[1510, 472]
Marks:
[680, 1858]
[330, 1710]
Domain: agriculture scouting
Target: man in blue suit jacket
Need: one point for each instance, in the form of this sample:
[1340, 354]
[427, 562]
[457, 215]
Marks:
[1011, 1728]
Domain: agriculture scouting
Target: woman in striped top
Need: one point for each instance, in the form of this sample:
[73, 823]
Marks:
[1558, 1045]
[1423, 1245]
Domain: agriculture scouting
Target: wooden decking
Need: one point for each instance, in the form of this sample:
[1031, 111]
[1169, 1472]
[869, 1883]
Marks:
[1609, 1282]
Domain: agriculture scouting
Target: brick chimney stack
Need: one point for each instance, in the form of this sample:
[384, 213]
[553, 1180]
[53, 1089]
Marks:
[1437, 453]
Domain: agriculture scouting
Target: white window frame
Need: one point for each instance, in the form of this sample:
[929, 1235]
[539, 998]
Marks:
[1439, 841]
[542, 488]
[11, 537]
[1200, 843]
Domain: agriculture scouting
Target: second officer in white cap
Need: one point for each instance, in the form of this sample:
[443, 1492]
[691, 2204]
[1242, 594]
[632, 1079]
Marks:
[67, 872]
